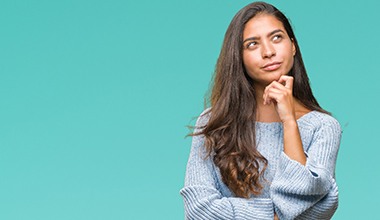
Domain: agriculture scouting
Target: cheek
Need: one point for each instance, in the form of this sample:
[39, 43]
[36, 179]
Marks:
[291, 59]
[289, 65]
[250, 62]
[288, 55]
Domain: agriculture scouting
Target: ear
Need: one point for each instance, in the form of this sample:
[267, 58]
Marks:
[293, 47]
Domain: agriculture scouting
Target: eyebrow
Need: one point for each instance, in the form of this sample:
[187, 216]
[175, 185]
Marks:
[255, 38]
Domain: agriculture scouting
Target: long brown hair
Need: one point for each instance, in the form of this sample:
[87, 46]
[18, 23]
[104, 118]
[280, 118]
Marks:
[230, 131]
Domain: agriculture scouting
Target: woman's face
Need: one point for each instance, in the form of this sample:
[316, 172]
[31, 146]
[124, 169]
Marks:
[267, 49]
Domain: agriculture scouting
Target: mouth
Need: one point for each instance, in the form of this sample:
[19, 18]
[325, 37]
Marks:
[271, 66]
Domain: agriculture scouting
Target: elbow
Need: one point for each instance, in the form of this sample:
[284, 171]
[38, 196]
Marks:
[307, 206]
[331, 201]
[325, 209]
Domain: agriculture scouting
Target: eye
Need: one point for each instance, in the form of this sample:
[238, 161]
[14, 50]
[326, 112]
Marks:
[277, 38]
[251, 45]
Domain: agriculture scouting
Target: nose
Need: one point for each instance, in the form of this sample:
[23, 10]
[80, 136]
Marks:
[267, 50]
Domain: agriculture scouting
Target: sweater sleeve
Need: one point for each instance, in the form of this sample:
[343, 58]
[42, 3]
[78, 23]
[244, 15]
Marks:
[310, 191]
[204, 200]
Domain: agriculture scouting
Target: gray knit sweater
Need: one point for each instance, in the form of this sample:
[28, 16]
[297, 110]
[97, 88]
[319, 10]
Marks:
[293, 191]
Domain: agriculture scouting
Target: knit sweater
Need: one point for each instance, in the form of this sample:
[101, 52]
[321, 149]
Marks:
[291, 190]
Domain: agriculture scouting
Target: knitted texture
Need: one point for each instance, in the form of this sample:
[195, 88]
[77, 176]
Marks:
[292, 190]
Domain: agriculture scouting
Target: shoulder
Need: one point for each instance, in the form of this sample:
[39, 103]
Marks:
[203, 118]
[319, 121]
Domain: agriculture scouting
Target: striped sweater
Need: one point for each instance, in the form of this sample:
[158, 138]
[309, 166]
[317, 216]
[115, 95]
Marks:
[292, 190]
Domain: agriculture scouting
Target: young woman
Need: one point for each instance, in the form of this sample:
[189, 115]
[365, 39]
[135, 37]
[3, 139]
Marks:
[265, 149]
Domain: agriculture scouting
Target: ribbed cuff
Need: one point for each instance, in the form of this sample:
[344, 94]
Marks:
[293, 177]
[213, 206]
[253, 209]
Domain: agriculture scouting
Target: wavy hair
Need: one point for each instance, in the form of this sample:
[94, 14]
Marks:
[230, 131]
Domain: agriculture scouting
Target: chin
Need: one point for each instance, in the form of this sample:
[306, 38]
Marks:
[270, 77]
[276, 76]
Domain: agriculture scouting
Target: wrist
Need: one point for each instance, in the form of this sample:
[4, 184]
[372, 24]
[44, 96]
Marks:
[291, 122]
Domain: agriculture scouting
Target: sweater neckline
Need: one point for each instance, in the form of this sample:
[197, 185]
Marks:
[300, 119]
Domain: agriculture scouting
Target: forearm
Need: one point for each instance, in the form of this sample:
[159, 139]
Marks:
[292, 142]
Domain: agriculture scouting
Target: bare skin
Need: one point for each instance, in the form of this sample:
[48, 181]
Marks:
[275, 216]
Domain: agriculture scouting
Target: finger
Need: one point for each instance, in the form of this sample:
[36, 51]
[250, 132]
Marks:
[265, 95]
[273, 94]
[272, 85]
[276, 85]
[287, 80]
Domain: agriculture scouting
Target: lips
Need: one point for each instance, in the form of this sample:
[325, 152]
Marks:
[271, 66]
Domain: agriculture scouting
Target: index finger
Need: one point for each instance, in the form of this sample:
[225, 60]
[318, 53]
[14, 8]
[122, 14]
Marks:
[288, 80]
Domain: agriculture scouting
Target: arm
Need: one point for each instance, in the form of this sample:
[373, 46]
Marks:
[310, 191]
[202, 197]
[281, 95]
[303, 185]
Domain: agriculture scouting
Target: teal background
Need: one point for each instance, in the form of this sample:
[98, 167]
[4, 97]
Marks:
[95, 97]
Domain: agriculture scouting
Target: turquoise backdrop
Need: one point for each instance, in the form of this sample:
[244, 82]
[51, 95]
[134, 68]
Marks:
[95, 97]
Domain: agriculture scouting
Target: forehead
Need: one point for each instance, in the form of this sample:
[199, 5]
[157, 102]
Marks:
[262, 24]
